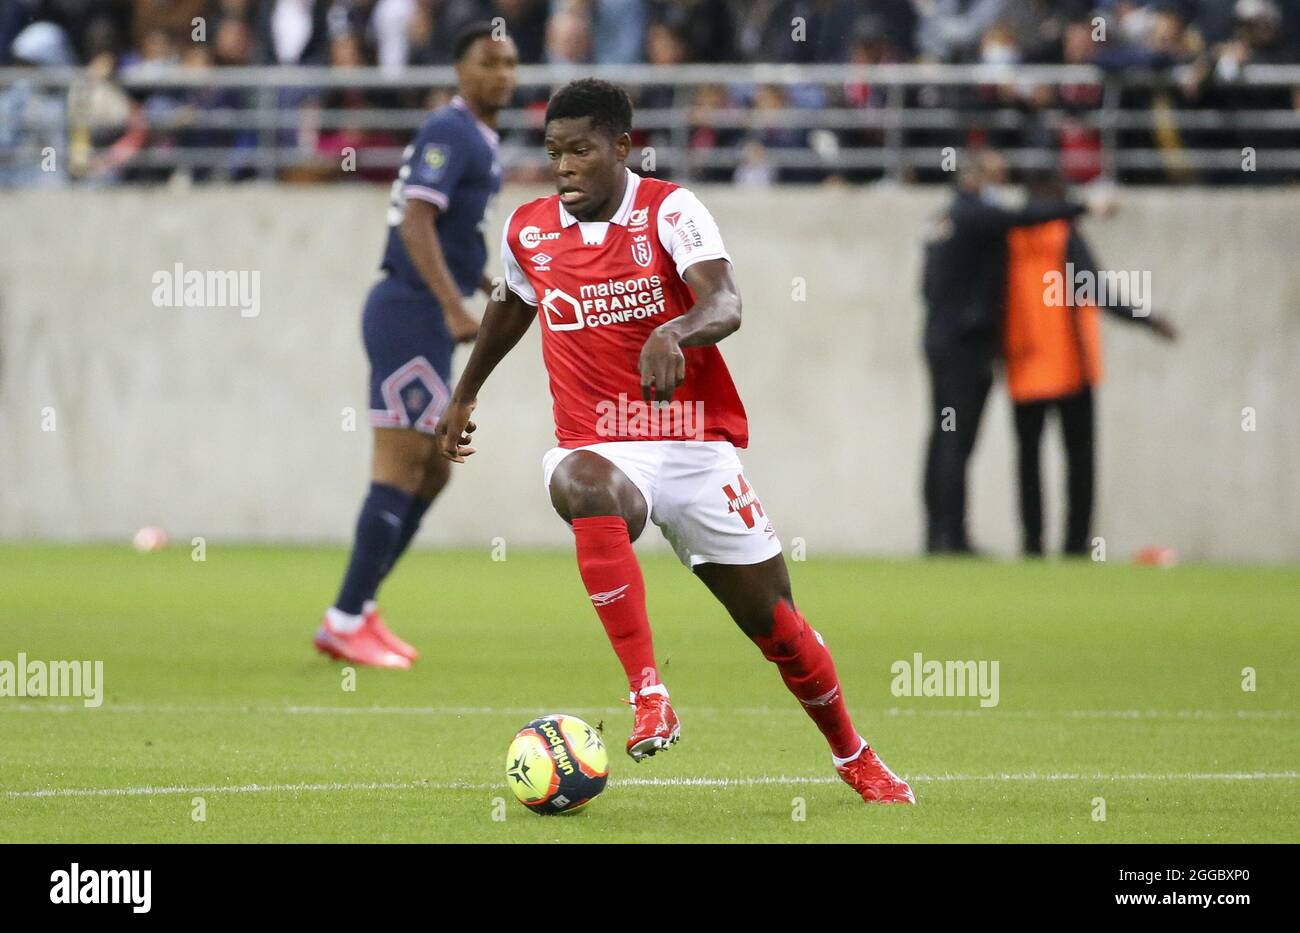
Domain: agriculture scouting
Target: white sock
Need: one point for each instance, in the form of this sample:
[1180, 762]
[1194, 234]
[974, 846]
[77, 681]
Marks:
[367, 607]
[340, 622]
[841, 762]
[652, 690]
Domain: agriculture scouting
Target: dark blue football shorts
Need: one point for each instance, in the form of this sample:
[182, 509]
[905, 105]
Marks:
[410, 356]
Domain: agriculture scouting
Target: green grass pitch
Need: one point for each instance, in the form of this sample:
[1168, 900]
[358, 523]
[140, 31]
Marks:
[1116, 682]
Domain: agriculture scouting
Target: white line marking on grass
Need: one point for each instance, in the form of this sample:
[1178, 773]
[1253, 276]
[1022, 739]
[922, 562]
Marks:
[718, 782]
[532, 712]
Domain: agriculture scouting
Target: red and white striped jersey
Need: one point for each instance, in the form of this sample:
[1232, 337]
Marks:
[600, 288]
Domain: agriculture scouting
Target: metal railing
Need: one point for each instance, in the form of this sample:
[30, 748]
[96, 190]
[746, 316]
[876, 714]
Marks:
[1139, 121]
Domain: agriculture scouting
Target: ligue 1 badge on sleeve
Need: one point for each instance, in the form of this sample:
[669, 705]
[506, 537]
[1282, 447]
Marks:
[435, 159]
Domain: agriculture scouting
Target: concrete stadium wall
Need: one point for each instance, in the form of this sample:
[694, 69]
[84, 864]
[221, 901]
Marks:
[230, 427]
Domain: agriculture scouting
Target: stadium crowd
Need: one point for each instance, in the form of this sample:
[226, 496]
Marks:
[109, 126]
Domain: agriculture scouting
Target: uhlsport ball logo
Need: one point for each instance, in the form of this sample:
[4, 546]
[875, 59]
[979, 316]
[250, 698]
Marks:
[557, 764]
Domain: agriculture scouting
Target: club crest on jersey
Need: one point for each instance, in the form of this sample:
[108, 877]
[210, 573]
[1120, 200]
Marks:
[641, 252]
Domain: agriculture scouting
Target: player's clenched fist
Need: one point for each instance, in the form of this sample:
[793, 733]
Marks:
[663, 366]
[455, 431]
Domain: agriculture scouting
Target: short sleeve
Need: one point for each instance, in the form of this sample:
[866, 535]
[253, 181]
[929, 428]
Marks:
[687, 230]
[516, 281]
[438, 158]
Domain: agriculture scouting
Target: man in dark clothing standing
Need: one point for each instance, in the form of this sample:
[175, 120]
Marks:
[964, 286]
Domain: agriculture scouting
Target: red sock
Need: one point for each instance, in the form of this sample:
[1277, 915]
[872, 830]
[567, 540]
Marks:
[809, 673]
[610, 570]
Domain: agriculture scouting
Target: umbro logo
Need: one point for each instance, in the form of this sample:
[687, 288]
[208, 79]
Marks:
[610, 596]
[826, 699]
[542, 261]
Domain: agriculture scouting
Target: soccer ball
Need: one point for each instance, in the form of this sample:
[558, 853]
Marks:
[557, 764]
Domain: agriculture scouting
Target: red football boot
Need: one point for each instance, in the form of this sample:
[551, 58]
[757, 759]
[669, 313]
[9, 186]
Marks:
[656, 726]
[871, 778]
[359, 647]
[375, 622]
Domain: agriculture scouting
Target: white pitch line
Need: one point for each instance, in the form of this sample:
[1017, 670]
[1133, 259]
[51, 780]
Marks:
[532, 712]
[764, 780]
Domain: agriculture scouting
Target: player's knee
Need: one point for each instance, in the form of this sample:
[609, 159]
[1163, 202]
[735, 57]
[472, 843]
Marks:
[406, 473]
[437, 473]
[586, 497]
[582, 489]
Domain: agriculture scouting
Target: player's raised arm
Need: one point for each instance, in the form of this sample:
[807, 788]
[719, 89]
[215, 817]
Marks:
[504, 322]
[714, 316]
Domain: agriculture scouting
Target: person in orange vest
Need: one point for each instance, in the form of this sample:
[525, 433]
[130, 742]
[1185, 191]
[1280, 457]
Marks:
[1052, 345]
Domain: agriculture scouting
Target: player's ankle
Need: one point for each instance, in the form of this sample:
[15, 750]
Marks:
[342, 623]
[652, 690]
[842, 761]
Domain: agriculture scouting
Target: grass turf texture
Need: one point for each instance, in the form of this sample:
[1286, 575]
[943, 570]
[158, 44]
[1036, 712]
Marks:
[1116, 682]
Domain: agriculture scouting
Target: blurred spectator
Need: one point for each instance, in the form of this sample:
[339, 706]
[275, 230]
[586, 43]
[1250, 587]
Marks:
[665, 46]
[568, 36]
[808, 31]
[707, 25]
[950, 30]
[1218, 41]
[33, 138]
[294, 32]
[108, 128]
[170, 17]
[769, 129]
[526, 22]
[231, 45]
[706, 136]
[349, 138]
[390, 24]
[755, 169]
[620, 31]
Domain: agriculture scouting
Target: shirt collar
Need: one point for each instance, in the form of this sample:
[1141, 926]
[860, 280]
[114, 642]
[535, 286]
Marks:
[624, 209]
[489, 134]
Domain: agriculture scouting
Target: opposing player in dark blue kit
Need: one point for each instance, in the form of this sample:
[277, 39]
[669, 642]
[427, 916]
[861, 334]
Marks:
[413, 319]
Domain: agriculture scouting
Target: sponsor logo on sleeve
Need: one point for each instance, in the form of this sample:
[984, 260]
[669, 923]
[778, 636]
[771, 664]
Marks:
[689, 235]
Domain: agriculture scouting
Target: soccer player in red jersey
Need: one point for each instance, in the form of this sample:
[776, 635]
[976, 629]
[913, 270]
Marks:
[634, 289]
